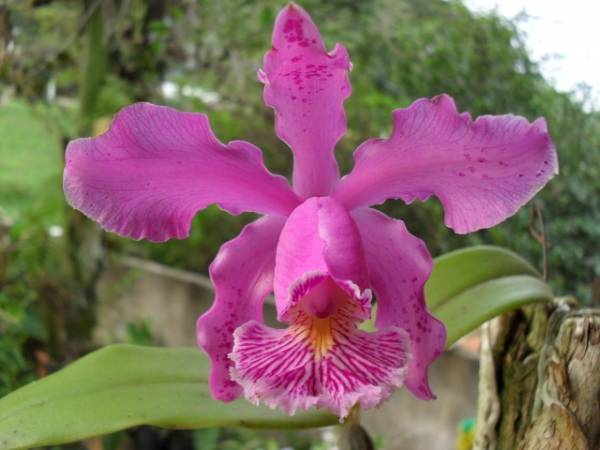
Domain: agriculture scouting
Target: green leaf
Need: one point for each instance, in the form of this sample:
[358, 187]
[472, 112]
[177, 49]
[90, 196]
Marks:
[122, 386]
[466, 311]
[462, 269]
[472, 285]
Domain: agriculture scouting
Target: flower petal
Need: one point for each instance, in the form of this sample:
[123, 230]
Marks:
[307, 87]
[242, 274]
[319, 237]
[324, 363]
[399, 265]
[481, 171]
[156, 167]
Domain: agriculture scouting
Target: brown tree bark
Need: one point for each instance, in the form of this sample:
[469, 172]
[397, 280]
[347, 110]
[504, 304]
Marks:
[539, 385]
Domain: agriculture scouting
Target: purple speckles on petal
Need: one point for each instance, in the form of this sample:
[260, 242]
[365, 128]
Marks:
[432, 141]
[391, 252]
[322, 113]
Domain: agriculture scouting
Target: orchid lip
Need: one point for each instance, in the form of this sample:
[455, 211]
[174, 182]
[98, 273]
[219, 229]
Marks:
[322, 358]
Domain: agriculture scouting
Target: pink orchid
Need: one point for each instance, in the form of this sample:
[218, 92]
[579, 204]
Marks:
[319, 247]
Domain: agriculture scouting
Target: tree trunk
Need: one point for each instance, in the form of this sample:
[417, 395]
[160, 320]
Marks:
[540, 380]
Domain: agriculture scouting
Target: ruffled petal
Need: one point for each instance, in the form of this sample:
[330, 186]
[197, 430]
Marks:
[156, 167]
[307, 87]
[242, 274]
[319, 237]
[399, 265]
[482, 171]
[319, 362]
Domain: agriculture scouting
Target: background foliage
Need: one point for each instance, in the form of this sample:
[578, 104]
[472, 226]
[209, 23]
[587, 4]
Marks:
[66, 66]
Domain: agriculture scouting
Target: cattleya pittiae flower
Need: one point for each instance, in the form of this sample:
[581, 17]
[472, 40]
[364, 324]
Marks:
[319, 247]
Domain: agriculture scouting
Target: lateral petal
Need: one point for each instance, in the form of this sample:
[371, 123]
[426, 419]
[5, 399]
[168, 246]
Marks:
[482, 171]
[156, 167]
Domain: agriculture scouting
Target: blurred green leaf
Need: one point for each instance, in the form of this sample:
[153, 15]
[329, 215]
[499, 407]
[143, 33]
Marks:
[122, 386]
[207, 438]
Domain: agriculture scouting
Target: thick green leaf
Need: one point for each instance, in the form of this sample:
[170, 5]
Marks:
[475, 284]
[122, 386]
[463, 269]
[467, 310]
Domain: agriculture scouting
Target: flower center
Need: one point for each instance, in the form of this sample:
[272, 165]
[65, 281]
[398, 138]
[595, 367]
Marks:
[318, 332]
[321, 337]
[323, 300]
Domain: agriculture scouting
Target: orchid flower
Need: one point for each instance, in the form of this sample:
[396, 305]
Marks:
[320, 247]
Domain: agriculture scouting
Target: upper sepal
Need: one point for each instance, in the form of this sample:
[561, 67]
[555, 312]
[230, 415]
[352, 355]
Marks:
[306, 86]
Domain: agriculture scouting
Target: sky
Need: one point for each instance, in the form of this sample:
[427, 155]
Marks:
[562, 36]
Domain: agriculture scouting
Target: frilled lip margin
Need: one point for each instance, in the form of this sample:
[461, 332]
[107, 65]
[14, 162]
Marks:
[323, 362]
